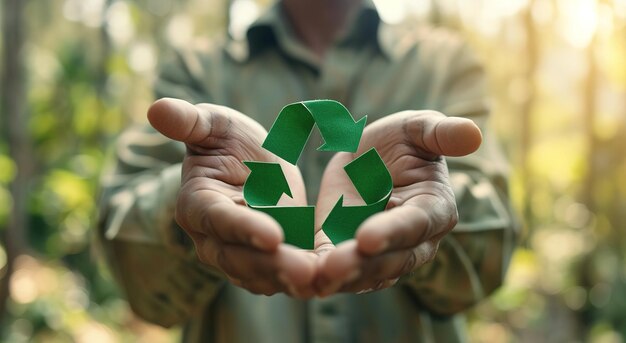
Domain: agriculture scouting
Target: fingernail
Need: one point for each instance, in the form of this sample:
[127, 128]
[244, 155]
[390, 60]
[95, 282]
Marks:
[392, 282]
[364, 291]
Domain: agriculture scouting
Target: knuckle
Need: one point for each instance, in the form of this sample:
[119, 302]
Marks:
[409, 264]
[202, 257]
[433, 251]
[454, 219]
[221, 261]
[416, 120]
[426, 252]
[180, 216]
[413, 124]
[218, 120]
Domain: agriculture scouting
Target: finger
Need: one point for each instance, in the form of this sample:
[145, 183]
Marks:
[399, 227]
[336, 268]
[287, 269]
[345, 270]
[180, 120]
[200, 124]
[210, 213]
[425, 217]
[437, 134]
[383, 271]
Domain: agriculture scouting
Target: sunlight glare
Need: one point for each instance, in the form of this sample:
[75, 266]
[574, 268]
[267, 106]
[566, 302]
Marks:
[89, 12]
[420, 8]
[507, 8]
[391, 11]
[242, 14]
[142, 57]
[119, 23]
[605, 19]
[543, 12]
[578, 21]
[488, 16]
[179, 31]
[620, 8]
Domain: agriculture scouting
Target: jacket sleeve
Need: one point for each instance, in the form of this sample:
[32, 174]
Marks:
[472, 260]
[149, 255]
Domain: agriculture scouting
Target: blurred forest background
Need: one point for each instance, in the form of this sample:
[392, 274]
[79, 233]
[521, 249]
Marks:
[76, 72]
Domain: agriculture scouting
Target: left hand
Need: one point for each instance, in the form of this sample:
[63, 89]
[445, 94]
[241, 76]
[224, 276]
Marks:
[421, 210]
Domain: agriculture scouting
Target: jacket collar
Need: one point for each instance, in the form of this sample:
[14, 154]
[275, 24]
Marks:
[272, 30]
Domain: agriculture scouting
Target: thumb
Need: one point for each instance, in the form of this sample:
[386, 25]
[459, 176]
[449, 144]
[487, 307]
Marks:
[203, 124]
[436, 134]
[178, 120]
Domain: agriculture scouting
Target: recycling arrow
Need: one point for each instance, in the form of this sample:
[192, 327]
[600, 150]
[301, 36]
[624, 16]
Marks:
[286, 139]
[294, 124]
[262, 190]
[372, 180]
[265, 184]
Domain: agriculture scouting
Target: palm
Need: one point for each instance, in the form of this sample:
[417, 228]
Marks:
[413, 172]
[421, 209]
[214, 163]
[244, 244]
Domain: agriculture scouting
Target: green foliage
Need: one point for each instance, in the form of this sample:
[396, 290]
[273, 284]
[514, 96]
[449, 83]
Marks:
[7, 173]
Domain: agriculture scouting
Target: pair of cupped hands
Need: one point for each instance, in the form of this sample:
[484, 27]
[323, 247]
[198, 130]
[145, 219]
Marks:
[247, 245]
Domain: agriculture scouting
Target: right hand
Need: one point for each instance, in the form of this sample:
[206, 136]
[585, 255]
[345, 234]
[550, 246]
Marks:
[244, 244]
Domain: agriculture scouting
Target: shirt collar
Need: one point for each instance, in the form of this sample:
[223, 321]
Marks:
[272, 30]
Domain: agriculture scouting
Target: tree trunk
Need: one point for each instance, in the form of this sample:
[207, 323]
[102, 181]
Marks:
[526, 116]
[586, 316]
[13, 123]
[589, 118]
[435, 14]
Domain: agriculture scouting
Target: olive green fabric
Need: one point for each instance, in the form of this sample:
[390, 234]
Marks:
[374, 70]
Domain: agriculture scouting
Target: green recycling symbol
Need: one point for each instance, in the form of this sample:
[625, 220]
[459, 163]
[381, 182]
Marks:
[286, 139]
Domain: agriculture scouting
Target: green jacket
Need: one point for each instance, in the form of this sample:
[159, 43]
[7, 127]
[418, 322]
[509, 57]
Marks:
[374, 70]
